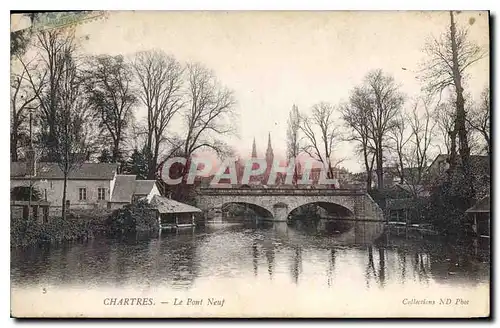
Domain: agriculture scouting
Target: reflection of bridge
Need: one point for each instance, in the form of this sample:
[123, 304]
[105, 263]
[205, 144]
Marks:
[277, 204]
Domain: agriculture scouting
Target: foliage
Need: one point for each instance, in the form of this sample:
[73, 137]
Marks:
[23, 193]
[56, 230]
[108, 83]
[137, 164]
[105, 156]
[132, 218]
[448, 203]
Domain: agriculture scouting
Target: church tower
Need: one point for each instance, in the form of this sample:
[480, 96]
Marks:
[254, 149]
[269, 158]
[269, 151]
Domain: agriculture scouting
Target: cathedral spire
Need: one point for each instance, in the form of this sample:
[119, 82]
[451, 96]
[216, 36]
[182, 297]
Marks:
[269, 151]
[254, 149]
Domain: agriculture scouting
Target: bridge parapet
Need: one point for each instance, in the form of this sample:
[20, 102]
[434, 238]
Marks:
[281, 192]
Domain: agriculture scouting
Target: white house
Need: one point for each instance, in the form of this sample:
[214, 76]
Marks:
[91, 185]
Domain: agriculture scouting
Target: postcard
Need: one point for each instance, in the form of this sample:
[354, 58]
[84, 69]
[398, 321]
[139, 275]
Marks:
[250, 164]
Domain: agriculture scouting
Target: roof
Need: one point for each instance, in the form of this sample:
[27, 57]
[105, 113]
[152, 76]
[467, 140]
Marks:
[439, 158]
[123, 189]
[48, 170]
[413, 189]
[482, 205]
[144, 187]
[127, 186]
[481, 162]
[167, 205]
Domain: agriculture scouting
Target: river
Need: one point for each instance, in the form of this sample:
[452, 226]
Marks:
[255, 269]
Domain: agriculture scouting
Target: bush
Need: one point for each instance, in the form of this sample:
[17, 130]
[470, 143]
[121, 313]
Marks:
[140, 217]
[57, 230]
[449, 200]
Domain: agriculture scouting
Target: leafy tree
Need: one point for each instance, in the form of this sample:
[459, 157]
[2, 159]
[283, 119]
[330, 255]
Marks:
[105, 156]
[109, 86]
[137, 164]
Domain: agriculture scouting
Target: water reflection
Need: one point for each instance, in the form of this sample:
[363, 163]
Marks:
[253, 250]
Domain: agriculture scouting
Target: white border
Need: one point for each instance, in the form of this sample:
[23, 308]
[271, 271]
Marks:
[192, 5]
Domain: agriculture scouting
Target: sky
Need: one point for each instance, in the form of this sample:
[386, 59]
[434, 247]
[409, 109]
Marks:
[272, 60]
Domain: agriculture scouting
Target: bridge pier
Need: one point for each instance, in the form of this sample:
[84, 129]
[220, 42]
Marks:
[280, 213]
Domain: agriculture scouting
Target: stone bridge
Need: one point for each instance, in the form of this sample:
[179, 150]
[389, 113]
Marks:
[277, 204]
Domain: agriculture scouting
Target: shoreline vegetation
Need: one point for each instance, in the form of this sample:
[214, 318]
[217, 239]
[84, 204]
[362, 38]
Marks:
[132, 219]
[84, 225]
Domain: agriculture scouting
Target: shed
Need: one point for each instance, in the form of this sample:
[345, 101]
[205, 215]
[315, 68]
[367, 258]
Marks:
[481, 215]
[36, 209]
[173, 214]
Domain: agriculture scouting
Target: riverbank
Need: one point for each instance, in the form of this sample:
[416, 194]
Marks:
[83, 225]
[57, 230]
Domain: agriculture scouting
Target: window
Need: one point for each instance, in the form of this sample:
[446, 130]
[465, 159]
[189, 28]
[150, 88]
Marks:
[82, 192]
[101, 193]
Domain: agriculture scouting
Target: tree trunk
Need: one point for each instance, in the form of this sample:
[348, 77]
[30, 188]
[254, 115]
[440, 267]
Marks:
[65, 183]
[380, 170]
[464, 149]
[116, 151]
[368, 167]
[13, 146]
[154, 161]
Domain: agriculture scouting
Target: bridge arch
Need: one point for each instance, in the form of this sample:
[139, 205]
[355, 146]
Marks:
[257, 209]
[334, 209]
[280, 202]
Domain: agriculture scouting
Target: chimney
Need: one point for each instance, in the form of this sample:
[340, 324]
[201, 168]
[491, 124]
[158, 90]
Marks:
[30, 161]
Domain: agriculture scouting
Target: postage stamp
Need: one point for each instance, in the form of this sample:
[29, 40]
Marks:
[51, 20]
[250, 164]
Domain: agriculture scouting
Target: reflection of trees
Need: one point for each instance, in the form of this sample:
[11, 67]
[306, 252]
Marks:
[381, 272]
[269, 251]
[419, 267]
[178, 263]
[296, 267]
[255, 258]
[371, 272]
[331, 267]
[370, 268]
[402, 263]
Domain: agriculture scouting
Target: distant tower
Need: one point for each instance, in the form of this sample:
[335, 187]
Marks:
[269, 151]
[254, 149]
[254, 179]
[269, 158]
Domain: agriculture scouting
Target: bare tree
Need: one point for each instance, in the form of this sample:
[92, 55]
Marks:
[22, 100]
[160, 84]
[417, 156]
[71, 122]
[320, 135]
[54, 47]
[479, 118]
[448, 59]
[382, 101]
[400, 137]
[109, 88]
[444, 117]
[292, 137]
[210, 112]
[355, 115]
